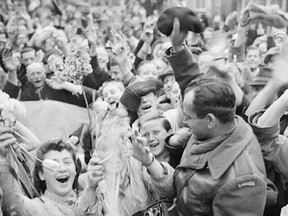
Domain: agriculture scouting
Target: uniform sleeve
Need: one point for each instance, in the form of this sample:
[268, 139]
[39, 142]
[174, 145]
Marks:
[184, 65]
[164, 184]
[245, 195]
[274, 146]
[236, 52]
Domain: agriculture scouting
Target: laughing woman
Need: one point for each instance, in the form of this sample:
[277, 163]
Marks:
[56, 171]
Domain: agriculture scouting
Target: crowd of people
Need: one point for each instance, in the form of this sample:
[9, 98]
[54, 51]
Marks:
[187, 115]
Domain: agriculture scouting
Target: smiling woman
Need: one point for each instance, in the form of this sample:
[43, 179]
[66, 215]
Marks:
[55, 175]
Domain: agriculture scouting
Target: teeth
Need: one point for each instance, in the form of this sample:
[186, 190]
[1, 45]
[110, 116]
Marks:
[62, 179]
[153, 145]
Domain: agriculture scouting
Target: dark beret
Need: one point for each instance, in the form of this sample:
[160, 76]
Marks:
[188, 20]
[131, 97]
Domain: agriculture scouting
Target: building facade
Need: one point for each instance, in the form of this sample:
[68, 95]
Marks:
[224, 7]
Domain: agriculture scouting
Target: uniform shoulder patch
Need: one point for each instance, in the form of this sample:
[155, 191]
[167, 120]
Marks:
[246, 184]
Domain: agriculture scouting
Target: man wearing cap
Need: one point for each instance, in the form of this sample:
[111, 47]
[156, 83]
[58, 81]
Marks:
[38, 88]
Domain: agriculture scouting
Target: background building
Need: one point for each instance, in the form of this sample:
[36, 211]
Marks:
[224, 7]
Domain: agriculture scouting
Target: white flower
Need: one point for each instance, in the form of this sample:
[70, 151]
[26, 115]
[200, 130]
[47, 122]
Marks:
[76, 65]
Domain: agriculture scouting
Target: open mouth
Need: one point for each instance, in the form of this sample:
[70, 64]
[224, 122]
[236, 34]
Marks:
[62, 179]
[153, 145]
[37, 81]
[146, 107]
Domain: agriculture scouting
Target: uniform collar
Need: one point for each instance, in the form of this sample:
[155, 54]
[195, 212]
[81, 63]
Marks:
[224, 153]
[222, 157]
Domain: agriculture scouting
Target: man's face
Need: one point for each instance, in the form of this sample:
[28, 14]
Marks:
[148, 103]
[102, 57]
[263, 47]
[59, 180]
[37, 78]
[168, 82]
[198, 126]
[253, 59]
[115, 73]
[147, 71]
[28, 57]
[155, 135]
[112, 94]
[22, 29]
[175, 97]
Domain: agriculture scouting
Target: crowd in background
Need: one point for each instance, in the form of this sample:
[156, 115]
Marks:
[186, 114]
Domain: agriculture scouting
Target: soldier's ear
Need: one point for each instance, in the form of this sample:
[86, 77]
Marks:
[211, 120]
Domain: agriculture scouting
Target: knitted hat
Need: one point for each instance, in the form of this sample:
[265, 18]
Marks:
[188, 20]
[35, 67]
[131, 97]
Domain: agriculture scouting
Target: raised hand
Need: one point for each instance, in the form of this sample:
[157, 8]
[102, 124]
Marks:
[25, 15]
[6, 138]
[90, 35]
[141, 150]
[280, 74]
[95, 172]
[181, 137]
[55, 83]
[177, 36]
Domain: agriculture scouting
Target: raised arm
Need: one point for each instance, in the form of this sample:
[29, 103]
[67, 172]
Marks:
[161, 173]
[184, 64]
[13, 199]
[26, 137]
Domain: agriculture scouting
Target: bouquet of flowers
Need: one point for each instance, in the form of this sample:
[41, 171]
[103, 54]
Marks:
[18, 158]
[75, 66]
[7, 107]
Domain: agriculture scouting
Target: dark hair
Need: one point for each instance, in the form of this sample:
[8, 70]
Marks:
[56, 145]
[27, 49]
[252, 48]
[213, 96]
[155, 116]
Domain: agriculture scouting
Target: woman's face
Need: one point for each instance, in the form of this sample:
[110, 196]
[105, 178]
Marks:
[60, 177]
[53, 61]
